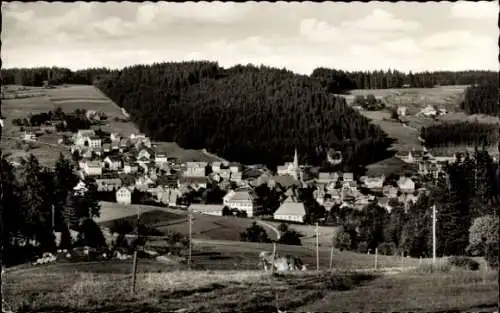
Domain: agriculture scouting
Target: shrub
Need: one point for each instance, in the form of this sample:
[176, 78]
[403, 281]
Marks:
[363, 247]
[387, 248]
[463, 262]
[342, 239]
[439, 267]
[492, 255]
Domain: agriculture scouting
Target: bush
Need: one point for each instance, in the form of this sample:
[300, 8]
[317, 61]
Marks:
[463, 262]
[363, 247]
[439, 267]
[387, 248]
[492, 255]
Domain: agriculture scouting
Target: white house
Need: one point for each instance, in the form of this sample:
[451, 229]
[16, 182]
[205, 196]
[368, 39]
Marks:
[406, 184]
[129, 168]
[124, 196]
[29, 136]
[195, 169]
[209, 209]
[390, 191]
[347, 177]
[374, 182]
[115, 137]
[242, 200]
[161, 159]
[234, 168]
[428, 111]
[326, 177]
[92, 168]
[145, 154]
[216, 165]
[236, 177]
[225, 173]
[291, 211]
[82, 135]
[94, 142]
[137, 136]
[113, 163]
[401, 111]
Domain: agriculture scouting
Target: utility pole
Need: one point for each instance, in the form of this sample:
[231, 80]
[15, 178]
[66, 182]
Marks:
[317, 246]
[53, 219]
[376, 258]
[331, 257]
[273, 258]
[134, 264]
[434, 234]
[190, 222]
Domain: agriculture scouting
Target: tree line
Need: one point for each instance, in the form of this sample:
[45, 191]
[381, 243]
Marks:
[482, 99]
[53, 75]
[337, 81]
[467, 200]
[460, 133]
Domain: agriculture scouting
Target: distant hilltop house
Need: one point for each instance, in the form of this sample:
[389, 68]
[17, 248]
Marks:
[291, 211]
[28, 136]
[402, 111]
[334, 157]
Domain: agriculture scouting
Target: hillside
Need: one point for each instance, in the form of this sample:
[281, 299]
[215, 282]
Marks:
[21, 101]
[245, 113]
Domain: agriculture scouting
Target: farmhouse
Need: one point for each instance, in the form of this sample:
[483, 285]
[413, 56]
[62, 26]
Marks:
[291, 211]
[29, 136]
[193, 182]
[236, 177]
[390, 191]
[326, 177]
[124, 196]
[348, 177]
[401, 111]
[209, 209]
[242, 200]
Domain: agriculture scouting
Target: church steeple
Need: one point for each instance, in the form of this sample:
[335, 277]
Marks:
[295, 160]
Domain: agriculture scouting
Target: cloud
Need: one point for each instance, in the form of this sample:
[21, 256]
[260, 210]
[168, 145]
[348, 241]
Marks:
[456, 39]
[318, 31]
[204, 12]
[380, 20]
[474, 10]
[24, 16]
[114, 26]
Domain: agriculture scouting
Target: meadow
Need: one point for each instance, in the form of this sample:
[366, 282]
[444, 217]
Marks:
[415, 99]
[168, 289]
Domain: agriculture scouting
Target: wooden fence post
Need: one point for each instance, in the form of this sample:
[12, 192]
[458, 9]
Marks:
[376, 257]
[274, 257]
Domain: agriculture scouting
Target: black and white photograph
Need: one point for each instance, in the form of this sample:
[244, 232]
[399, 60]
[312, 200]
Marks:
[250, 157]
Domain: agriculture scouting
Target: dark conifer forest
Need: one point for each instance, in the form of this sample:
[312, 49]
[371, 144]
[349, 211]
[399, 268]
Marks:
[482, 99]
[245, 113]
[460, 133]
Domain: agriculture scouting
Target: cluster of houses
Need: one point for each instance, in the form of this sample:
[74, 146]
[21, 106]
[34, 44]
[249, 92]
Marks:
[123, 164]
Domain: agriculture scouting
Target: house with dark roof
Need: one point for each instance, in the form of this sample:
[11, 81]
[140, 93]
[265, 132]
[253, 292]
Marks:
[112, 162]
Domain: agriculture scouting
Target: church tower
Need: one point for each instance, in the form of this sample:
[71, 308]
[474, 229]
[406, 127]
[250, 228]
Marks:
[295, 169]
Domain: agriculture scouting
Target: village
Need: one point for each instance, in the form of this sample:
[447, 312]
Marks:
[123, 165]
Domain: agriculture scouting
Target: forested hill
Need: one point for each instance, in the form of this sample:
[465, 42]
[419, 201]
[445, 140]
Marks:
[482, 99]
[245, 113]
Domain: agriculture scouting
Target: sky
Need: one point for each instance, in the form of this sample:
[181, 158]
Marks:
[299, 36]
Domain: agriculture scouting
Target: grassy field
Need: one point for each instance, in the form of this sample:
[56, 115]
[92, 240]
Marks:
[105, 287]
[197, 291]
[20, 101]
[413, 291]
[415, 99]
[205, 226]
